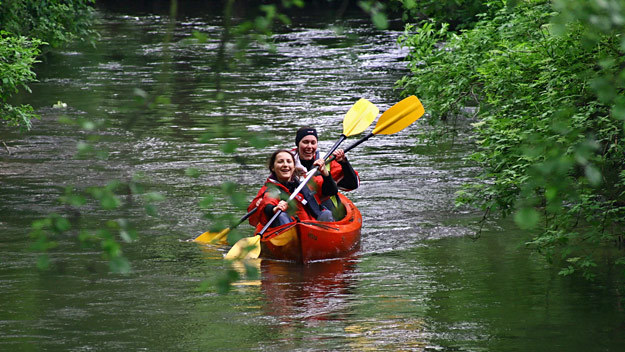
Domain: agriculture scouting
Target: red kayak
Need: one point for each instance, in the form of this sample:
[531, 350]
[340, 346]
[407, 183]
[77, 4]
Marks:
[308, 241]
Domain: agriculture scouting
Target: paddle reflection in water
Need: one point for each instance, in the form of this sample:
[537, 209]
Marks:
[211, 251]
[324, 298]
[318, 291]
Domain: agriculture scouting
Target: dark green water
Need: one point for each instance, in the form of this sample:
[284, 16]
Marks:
[420, 283]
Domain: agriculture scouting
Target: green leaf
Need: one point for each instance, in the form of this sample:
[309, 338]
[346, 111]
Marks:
[379, 20]
[84, 148]
[88, 125]
[593, 175]
[229, 147]
[140, 93]
[207, 202]
[251, 271]
[119, 265]
[61, 224]
[200, 37]
[259, 142]
[154, 197]
[527, 218]
[604, 88]
[109, 201]
[192, 172]
[618, 109]
[43, 262]
[224, 282]
[567, 271]
[551, 193]
[151, 210]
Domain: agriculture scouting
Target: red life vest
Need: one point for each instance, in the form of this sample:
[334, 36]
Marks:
[267, 197]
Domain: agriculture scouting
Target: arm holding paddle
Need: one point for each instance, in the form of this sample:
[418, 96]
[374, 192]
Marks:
[342, 171]
[306, 144]
[328, 188]
[320, 163]
[255, 218]
[282, 206]
[282, 182]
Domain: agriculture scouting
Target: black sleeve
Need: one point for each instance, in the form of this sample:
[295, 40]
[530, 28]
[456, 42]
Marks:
[350, 179]
[269, 211]
[329, 188]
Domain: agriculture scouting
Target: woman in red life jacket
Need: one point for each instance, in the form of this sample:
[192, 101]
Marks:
[282, 182]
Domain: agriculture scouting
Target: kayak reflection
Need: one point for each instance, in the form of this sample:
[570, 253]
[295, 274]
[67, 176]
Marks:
[311, 292]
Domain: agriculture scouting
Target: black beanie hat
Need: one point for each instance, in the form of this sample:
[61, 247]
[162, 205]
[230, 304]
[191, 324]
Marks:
[303, 132]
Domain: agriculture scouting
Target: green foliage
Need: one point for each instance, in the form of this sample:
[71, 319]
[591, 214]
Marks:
[48, 232]
[377, 11]
[57, 22]
[458, 13]
[17, 56]
[108, 201]
[54, 21]
[27, 25]
[547, 89]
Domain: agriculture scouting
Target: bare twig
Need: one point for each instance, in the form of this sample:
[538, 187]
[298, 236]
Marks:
[5, 147]
[485, 216]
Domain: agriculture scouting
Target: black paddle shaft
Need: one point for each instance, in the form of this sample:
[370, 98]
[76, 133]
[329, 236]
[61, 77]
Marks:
[357, 143]
[354, 145]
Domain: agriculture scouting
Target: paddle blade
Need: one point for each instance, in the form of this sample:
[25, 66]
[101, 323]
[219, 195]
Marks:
[245, 248]
[399, 116]
[359, 117]
[214, 237]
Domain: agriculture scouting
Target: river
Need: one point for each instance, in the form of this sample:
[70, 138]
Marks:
[421, 282]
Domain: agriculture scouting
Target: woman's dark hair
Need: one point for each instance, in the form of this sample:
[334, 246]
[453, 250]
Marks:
[272, 158]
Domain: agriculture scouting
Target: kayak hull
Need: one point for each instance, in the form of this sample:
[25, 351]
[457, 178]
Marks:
[308, 241]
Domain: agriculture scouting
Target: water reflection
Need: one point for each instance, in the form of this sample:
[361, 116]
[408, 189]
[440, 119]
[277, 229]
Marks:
[397, 334]
[332, 302]
[318, 291]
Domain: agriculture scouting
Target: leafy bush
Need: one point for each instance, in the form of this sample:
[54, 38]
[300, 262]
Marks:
[17, 56]
[46, 233]
[54, 21]
[547, 85]
[457, 13]
[27, 25]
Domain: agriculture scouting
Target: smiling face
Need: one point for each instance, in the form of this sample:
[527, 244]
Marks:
[307, 147]
[283, 166]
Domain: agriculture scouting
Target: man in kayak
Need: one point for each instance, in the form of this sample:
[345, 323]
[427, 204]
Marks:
[282, 182]
[305, 154]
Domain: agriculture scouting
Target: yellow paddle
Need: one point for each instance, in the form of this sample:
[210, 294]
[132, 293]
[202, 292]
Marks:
[245, 248]
[357, 119]
[393, 120]
[221, 236]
